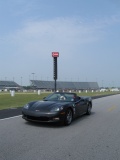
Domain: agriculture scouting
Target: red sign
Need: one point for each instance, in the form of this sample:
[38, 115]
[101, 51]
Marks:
[55, 54]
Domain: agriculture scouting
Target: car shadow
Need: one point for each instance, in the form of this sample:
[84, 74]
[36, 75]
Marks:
[45, 124]
[81, 118]
[58, 124]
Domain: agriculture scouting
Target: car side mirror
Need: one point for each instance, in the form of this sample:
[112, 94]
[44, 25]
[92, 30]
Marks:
[77, 99]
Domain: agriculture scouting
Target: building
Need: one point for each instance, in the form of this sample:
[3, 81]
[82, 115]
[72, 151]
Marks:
[62, 85]
[9, 85]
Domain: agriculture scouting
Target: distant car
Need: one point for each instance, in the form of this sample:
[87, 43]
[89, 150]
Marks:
[57, 107]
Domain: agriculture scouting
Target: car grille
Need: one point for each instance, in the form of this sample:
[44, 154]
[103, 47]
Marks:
[38, 118]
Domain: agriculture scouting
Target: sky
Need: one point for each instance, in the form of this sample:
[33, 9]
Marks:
[86, 33]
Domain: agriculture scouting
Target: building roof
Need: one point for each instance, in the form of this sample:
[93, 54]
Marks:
[8, 84]
[64, 85]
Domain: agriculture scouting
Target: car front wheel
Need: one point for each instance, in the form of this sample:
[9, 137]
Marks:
[68, 117]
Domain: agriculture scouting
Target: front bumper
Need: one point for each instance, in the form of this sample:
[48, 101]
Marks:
[43, 117]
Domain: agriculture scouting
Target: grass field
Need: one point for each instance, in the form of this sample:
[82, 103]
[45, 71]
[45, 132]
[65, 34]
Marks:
[20, 99]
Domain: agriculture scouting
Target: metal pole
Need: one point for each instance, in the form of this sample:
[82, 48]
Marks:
[55, 85]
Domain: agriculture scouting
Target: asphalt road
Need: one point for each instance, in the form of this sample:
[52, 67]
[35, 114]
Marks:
[94, 137]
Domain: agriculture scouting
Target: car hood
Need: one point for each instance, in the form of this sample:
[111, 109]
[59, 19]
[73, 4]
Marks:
[46, 105]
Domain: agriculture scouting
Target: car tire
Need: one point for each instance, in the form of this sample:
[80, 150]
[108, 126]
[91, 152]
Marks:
[89, 108]
[68, 117]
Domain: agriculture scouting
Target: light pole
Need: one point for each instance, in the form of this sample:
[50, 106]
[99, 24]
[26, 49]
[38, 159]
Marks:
[21, 81]
[33, 76]
[102, 84]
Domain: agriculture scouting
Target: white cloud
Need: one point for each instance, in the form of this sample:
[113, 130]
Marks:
[40, 38]
[43, 36]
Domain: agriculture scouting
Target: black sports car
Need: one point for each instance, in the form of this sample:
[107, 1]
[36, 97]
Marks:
[59, 106]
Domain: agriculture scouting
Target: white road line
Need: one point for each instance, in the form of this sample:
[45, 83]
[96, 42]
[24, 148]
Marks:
[10, 118]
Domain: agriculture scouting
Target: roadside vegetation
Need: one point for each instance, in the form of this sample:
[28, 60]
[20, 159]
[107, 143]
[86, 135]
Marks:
[20, 98]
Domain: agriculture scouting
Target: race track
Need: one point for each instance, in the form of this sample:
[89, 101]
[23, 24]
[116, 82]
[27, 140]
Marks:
[94, 137]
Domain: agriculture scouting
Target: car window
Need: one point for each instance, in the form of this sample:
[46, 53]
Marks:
[61, 97]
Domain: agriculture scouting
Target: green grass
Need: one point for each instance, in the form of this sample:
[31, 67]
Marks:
[20, 99]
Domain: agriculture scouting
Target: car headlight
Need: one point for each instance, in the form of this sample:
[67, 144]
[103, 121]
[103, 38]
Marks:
[56, 109]
[26, 106]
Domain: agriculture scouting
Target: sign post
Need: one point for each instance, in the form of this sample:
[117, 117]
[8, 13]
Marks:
[55, 55]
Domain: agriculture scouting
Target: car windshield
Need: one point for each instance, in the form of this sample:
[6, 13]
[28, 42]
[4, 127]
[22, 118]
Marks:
[66, 97]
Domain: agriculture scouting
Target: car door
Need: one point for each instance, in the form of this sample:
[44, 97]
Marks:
[80, 106]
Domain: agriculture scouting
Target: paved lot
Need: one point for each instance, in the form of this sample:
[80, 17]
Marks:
[94, 137]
